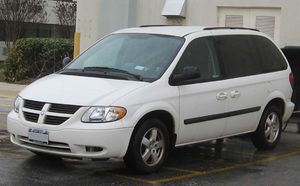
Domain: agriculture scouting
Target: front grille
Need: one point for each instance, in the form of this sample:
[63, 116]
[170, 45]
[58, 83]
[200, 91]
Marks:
[55, 120]
[31, 117]
[35, 105]
[48, 113]
[60, 108]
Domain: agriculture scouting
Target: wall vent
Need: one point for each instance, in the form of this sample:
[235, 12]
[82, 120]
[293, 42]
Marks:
[174, 8]
[266, 24]
[234, 21]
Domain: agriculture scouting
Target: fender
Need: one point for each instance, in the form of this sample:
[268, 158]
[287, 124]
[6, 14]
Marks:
[154, 106]
[273, 95]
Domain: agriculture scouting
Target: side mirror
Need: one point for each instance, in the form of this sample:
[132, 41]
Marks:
[188, 73]
[66, 61]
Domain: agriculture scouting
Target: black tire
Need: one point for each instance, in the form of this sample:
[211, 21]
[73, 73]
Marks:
[298, 127]
[133, 158]
[261, 138]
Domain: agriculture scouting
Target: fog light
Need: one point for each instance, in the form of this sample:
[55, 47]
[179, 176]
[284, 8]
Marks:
[93, 149]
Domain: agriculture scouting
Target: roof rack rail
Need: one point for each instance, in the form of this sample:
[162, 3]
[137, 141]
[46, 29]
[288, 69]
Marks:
[221, 28]
[155, 25]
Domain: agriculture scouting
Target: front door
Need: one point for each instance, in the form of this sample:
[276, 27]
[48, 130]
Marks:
[203, 100]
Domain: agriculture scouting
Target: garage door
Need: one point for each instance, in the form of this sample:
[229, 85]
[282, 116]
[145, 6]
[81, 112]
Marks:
[266, 20]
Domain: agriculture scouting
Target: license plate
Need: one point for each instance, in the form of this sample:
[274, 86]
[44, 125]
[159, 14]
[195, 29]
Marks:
[39, 136]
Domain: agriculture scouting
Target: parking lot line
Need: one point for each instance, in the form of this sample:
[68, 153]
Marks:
[5, 98]
[195, 173]
[189, 173]
[224, 169]
[7, 106]
[287, 148]
[3, 113]
[181, 170]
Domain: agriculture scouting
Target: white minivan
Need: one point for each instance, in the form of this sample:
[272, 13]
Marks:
[139, 92]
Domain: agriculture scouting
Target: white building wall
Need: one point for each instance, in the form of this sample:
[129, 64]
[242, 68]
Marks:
[96, 18]
[108, 16]
[290, 23]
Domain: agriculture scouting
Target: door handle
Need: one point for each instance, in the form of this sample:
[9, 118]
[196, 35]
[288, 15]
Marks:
[222, 96]
[235, 94]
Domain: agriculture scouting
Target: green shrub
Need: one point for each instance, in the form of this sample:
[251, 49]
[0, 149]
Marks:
[36, 57]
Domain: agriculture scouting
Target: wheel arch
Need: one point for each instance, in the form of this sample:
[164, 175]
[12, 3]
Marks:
[166, 117]
[279, 103]
[275, 98]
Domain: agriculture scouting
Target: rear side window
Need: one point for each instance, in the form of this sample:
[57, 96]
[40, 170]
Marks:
[271, 58]
[239, 55]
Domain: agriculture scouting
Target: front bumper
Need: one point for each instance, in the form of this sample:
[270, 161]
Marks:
[71, 141]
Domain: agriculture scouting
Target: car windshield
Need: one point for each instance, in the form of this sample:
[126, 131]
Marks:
[143, 57]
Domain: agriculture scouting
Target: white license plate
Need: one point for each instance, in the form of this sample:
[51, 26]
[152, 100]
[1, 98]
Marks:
[39, 136]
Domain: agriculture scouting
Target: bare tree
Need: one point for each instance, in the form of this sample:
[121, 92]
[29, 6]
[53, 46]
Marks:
[65, 11]
[15, 13]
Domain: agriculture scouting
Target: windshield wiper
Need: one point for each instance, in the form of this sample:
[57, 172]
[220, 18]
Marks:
[108, 69]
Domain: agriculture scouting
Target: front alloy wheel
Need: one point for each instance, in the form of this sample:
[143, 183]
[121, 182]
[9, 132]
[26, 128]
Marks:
[152, 146]
[149, 147]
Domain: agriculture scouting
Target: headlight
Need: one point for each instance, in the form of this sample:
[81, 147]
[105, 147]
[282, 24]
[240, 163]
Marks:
[17, 104]
[103, 114]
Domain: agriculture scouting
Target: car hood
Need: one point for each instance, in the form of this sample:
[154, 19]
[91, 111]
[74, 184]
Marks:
[79, 90]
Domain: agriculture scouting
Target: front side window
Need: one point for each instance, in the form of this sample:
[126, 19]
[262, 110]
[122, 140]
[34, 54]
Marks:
[128, 56]
[201, 56]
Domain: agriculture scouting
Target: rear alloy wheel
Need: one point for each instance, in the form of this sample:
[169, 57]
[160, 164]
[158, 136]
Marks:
[268, 132]
[272, 127]
[148, 147]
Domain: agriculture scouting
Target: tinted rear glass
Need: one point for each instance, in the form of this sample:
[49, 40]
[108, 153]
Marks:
[244, 55]
[238, 55]
[272, 59]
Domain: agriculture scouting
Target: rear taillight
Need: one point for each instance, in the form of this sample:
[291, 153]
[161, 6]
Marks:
[292, 80]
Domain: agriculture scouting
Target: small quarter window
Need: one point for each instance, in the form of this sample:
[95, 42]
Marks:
[271, 58]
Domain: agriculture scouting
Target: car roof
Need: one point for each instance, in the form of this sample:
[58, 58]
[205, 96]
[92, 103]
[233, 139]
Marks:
[179, 31]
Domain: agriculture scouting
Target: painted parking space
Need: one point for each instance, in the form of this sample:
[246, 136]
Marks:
[196, 161]
[201, 160]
